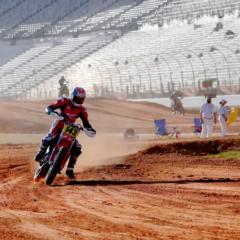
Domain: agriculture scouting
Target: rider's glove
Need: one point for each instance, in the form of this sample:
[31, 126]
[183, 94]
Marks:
[90, 132]
[48, 110]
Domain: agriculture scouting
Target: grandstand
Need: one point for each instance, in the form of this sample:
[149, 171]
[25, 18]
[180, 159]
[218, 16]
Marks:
[133, 48]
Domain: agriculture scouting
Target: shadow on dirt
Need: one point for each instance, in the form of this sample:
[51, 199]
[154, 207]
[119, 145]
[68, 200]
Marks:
[131, 182]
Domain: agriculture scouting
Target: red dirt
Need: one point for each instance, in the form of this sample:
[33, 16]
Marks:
[166, 191]
[153, 195]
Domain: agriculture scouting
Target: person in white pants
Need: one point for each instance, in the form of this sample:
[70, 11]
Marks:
[223, 117]
[208, 116]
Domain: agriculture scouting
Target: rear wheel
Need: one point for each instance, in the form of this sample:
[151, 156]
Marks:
[55, 167]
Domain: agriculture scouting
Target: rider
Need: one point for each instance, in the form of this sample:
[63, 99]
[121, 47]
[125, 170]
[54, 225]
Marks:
[71, 109]
[63, 89]
[175, 100]
[61, 81]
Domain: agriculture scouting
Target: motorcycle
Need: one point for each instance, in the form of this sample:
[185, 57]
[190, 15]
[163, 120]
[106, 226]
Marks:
[63, 90]
[55, 158]
[176, 106]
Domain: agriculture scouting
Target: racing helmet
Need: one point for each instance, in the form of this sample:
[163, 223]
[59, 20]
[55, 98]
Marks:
[78, 96]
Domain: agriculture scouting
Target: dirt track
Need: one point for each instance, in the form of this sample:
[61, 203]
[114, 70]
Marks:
[166, 196]
[167, 191]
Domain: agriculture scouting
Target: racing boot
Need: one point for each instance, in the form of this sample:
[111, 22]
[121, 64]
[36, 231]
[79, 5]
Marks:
[41, 153]
[70, 167]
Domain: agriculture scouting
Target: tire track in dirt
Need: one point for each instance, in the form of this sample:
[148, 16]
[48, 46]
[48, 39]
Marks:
[28, 223]
[160, 215]
[195, 210]
[106, 209]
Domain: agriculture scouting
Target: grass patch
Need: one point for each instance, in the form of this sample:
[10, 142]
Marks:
[226, 155]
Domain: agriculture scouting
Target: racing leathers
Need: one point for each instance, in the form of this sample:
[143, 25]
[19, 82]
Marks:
[70, 113]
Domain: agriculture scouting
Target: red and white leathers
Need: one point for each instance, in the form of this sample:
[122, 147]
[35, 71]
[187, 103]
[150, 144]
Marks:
[70, 113]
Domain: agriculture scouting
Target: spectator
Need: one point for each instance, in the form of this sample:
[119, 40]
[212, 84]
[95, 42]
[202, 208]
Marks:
[229, 34]
[196, 26]
[223, 117]
[212, 49]
[218, 27]
[208, 115]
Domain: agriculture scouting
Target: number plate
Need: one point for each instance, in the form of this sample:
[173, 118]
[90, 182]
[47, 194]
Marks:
[70, 130]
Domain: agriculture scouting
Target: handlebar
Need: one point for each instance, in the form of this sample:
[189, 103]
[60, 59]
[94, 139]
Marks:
[57, 116]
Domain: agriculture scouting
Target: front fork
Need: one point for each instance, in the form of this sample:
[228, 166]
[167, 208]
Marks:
[61, 143]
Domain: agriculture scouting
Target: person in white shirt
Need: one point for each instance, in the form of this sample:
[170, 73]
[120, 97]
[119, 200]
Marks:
[208, 115]
[223, 117]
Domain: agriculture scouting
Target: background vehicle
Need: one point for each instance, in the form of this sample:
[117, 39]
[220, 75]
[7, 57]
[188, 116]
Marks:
[176, 106]
[63, 89]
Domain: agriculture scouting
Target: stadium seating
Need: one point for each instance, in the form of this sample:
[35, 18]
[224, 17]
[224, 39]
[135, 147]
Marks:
[141, 46]
[174, 54]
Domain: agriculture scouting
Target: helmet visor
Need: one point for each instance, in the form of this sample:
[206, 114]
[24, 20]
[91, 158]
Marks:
[78, 100]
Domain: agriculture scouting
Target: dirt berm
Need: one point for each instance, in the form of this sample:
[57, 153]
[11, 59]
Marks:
[198, 147]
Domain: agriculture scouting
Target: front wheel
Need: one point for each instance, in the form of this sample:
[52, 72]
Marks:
[56, 166]
[173, 109]
[41, 171]
[182, 110]
[42, 168]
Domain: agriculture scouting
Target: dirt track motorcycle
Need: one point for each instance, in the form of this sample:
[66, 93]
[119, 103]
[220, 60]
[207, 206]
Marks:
[63, 90]
[176, 106]
[55, 158]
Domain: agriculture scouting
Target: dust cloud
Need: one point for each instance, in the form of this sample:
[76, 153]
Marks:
[105, 149]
